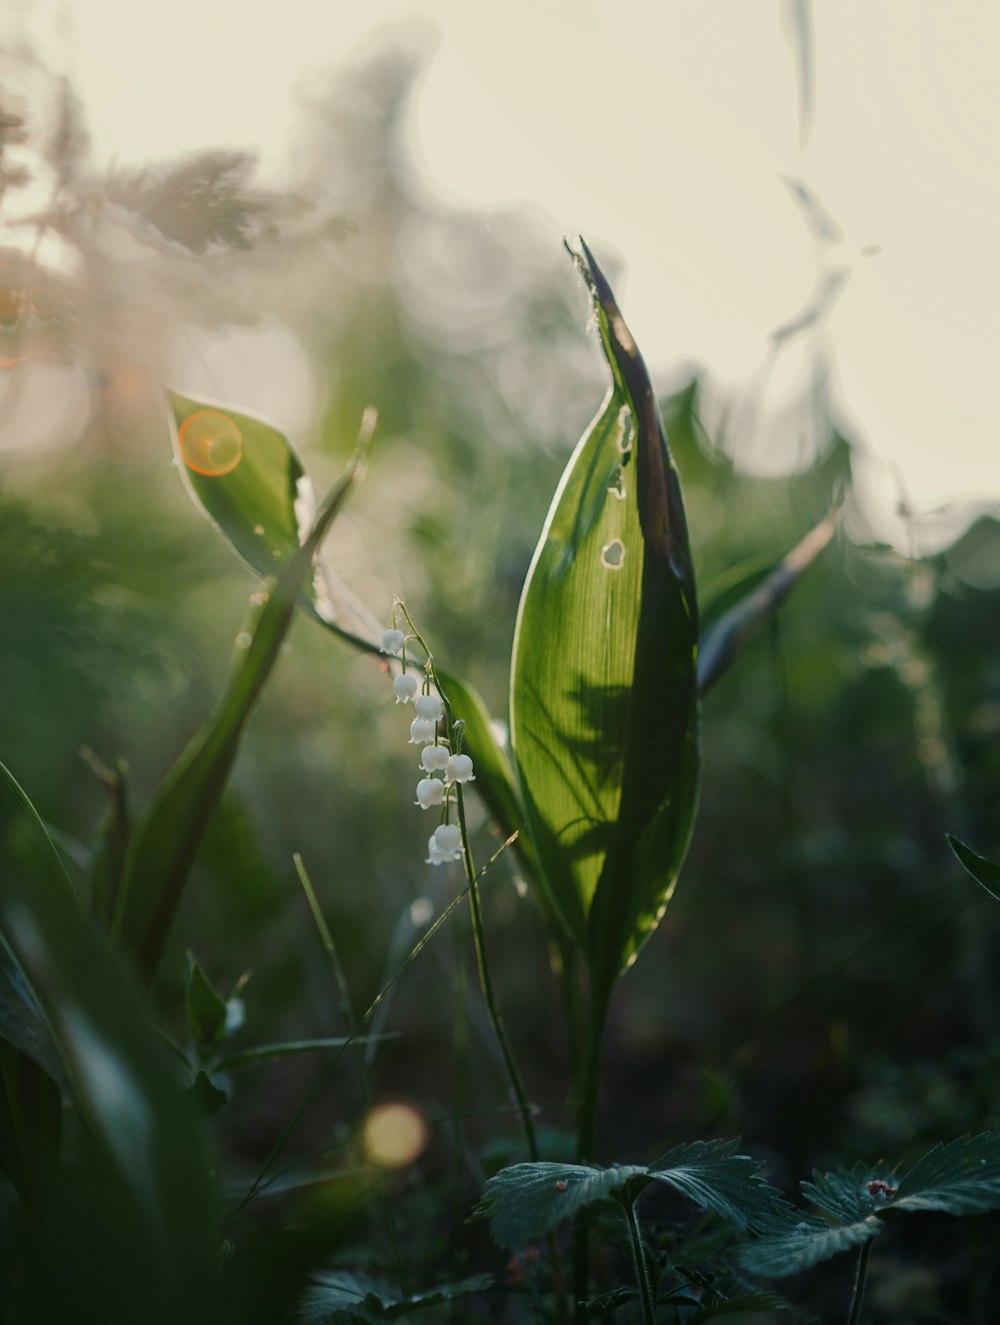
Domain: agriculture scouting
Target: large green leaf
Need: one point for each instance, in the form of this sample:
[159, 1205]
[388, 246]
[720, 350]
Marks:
[256, 491]
[148, 1235]
[985, 872]
[164, 845]
[527, 1201]
[604, 703]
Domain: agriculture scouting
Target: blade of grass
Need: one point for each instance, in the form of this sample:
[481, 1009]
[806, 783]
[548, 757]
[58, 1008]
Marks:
[356, 1030]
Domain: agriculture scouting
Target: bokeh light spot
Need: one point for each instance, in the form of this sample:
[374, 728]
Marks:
[394, 1135]
[210, 443]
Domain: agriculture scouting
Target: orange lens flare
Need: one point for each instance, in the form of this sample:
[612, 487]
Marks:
[210, 443]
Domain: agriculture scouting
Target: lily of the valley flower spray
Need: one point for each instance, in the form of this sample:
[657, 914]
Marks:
[446, 770]
[442, 762]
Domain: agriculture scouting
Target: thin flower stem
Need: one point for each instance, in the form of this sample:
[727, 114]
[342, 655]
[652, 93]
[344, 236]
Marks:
[478, 931]
[859, 1284]
[485, 980]
[641, 1266]
[356, 1030]
[347, 1007]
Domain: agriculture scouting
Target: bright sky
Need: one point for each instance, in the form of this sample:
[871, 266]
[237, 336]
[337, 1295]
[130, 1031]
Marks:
[666, 131]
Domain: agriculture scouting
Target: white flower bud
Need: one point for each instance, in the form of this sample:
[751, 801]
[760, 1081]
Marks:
[433, 758]
[392, 642]
[459, 769]
[429, 706]
[430, 791]
[421, 731]
[444, 844]
[405, 687]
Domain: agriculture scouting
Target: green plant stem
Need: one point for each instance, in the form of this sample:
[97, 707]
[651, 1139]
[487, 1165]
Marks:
[641, 1266]
[859, 1284]
[586, 1129]
[486, 982]
[587, 1117]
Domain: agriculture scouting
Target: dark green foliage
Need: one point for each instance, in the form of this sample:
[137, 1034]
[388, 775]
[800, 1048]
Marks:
[342, 1298]
[984, 871]
[526, 1201]
[960, 1178]
[206, 1010]
[140, 1157]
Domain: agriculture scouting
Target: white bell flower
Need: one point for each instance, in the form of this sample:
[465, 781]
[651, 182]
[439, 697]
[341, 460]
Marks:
[433, 758]
[430, 791]
[429, 706]
[392, 642]
[444, 844]
[421, 731]
[459, 769]
[405, 687]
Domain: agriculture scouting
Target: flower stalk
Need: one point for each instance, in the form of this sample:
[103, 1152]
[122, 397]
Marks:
[435, 728]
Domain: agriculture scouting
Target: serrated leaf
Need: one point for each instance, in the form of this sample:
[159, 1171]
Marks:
[262, 503]
[805, 1241]
[164, 845]
[713, 1175]
[853, 1204]
[984, 871]
[604, 705]
[737, 616]
[343, 1298]
[526, 1201]
[206, 1010]
[854, 1194]
[960, 1178]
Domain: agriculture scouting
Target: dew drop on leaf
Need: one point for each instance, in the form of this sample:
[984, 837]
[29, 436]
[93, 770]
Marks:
[210, 443]
[243, 640]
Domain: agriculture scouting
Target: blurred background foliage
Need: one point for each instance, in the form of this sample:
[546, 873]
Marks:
[825, 982]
